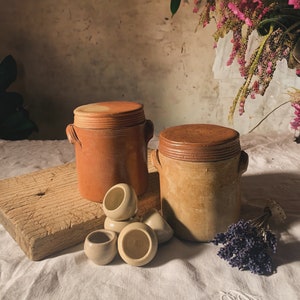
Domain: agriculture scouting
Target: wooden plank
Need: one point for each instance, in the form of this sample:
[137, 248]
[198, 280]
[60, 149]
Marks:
[44, 212]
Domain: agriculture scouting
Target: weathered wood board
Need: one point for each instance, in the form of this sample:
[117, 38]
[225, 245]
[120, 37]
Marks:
[44, 212]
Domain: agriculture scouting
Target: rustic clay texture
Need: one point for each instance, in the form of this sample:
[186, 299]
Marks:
[200, 199]
[200, 166]
[107, 157]
[111, 147]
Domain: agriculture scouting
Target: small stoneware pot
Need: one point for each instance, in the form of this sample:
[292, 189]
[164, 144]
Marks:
[137, 244]
[100, 246]
[160, 226]
[120, 202]
[117, 226]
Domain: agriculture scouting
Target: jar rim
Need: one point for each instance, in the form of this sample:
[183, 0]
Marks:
[109, 114]
[199, 142]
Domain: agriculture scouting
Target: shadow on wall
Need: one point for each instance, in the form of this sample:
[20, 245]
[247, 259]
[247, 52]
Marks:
[15, 123]
[80, 52]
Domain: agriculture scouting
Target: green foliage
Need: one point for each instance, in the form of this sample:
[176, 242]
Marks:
[15, 123]
[174, 5]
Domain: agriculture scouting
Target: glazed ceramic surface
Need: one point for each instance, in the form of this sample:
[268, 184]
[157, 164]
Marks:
[137, 244]
[160, 226]
[100, 246]
[120, 202]
[110, 140]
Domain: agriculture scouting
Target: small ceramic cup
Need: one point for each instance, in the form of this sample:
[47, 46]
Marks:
[120, 202]
[117, 226]
[100, 246]
[160, 226]
[137, 244]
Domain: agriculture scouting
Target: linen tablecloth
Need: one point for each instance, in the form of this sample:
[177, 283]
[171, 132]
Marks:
[180, 270]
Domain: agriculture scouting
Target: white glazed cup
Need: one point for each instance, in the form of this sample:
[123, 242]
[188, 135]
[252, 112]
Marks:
[100, 246]
[160, 226]
[137, 244]
[117, 226]
[120, 202]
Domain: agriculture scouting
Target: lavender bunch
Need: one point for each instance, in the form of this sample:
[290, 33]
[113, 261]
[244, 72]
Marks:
[247, 245]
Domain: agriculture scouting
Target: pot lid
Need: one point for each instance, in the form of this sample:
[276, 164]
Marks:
[199, 142]
[110, 114]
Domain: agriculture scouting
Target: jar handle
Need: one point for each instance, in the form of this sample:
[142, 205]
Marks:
[155, 160]
[149, 130]
[243, 164]
[71, 135]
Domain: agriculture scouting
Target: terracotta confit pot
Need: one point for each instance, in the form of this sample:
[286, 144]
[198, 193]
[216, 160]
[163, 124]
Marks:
[110, 140]
[199, 168]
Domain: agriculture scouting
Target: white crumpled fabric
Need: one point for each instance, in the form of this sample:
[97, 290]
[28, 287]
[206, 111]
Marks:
[180, 270]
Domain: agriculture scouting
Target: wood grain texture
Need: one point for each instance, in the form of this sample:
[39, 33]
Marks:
[44, 212]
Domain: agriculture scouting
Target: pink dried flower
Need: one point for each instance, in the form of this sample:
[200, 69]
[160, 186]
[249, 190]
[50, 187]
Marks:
[248, 22]
[269, 68]
[259, 70]
[295, 3]
[242, 107]
[236, 11]
[277, 32]
[255, 86]
[295, 102]
[295, 124]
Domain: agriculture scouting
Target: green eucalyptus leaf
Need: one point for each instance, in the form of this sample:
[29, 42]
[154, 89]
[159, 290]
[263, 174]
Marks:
[174, 5]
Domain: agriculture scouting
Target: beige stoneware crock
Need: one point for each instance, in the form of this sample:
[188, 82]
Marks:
[200, 166]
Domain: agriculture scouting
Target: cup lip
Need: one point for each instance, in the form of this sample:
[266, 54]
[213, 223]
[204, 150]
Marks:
[109, 115]
[153, 242]
[125, 188]
[109, 233]
[129, 197]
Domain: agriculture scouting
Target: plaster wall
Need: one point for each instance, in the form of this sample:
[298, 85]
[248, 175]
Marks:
[75, 52]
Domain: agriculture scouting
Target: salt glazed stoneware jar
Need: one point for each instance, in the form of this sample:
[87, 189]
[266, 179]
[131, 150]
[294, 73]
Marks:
[110, 140]
[199, 167]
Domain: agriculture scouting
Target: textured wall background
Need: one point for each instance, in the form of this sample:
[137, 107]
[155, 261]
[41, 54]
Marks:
[75, 52]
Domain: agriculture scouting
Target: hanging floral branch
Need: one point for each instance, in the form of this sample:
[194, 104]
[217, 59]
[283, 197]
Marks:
[278, 26]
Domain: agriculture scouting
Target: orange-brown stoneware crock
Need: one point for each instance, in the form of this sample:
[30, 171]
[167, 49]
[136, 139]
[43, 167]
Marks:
[110, 140]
